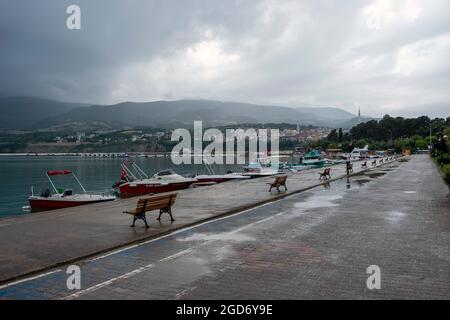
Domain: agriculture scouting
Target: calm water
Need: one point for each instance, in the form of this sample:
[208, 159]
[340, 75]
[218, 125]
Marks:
[19, 173]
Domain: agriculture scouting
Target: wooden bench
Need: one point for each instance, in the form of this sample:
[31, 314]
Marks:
[279, 181]
[364, 165]
[325, 174]
[162, 203]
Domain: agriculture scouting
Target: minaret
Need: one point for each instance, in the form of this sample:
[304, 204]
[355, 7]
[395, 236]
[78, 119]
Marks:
[359, 114]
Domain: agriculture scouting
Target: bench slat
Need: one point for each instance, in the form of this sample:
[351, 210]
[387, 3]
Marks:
[153, 203]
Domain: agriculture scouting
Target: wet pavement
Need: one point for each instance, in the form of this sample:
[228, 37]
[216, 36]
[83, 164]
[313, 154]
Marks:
[316, 244]
[37, 241]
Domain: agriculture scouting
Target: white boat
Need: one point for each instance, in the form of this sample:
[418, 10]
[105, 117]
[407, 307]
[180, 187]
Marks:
[63, 198]
[213, 178]
[359, 153]
[260, 167]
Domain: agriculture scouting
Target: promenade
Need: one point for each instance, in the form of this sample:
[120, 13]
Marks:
[315, 244]
[36, 242]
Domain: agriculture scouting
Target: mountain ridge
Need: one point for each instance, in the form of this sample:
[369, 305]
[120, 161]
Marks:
[162, 113]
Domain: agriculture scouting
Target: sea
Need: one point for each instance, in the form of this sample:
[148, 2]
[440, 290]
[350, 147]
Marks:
[19, 174]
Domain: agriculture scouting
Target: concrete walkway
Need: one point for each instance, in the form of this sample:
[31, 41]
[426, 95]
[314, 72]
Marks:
[35, 242]
[315, 244]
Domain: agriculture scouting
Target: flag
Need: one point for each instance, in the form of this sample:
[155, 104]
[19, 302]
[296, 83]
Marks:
[123, 173]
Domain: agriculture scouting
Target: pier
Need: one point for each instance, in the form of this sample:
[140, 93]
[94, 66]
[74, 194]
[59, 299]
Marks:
[43, 242]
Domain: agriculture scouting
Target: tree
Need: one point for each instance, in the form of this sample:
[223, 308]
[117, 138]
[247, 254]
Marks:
[333, 136]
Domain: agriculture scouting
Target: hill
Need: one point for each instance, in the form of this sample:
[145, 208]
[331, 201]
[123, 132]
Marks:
[24, 112]
[32, 114]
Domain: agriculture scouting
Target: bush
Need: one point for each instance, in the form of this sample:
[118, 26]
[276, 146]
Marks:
[446, 171]
[444, 159]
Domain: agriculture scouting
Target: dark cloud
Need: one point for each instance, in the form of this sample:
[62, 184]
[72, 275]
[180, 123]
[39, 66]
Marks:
[386, 56]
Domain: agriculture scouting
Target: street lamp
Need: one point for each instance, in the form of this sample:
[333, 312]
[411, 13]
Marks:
[429, 123]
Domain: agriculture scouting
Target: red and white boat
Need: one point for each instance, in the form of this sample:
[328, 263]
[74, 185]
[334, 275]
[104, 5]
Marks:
[209, 179]
[63, 198]
[162, 181]
[213, 178]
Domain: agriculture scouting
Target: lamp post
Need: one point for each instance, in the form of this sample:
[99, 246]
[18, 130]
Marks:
[430, 123]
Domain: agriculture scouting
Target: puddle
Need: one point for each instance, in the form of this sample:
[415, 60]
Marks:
[395, 216]
[319, 201]
[361, 182]
[375, 174]
[409, 191]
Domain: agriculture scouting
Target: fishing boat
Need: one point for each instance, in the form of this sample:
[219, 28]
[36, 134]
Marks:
[60, 198]
[138, 183]
[311, 160]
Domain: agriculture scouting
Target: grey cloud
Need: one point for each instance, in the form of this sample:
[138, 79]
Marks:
[273, 52]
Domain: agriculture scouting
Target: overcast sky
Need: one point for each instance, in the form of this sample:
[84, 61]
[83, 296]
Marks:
[383, 56]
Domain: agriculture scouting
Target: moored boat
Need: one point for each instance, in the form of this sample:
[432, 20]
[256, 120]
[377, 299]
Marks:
[162, 181]
[213, 178]
[60, 198]
[261, 167]
[311, 160]
[209, 179]
[359, 153]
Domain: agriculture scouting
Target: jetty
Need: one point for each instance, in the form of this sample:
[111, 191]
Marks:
[41, 241]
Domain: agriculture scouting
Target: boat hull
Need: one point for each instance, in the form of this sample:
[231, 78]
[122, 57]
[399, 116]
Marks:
[128, 190]
[209, 180]
[260, 174]
[48, 204]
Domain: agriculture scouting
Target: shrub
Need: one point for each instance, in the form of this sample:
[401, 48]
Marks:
[446, 171]
[444, 159]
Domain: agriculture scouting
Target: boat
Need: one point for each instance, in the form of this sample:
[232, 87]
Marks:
[138, 183]
[260, 167]
[212, 178]
[332, 162]
[311, 160]
[60, 198]
[209, 179]
[359, 153]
